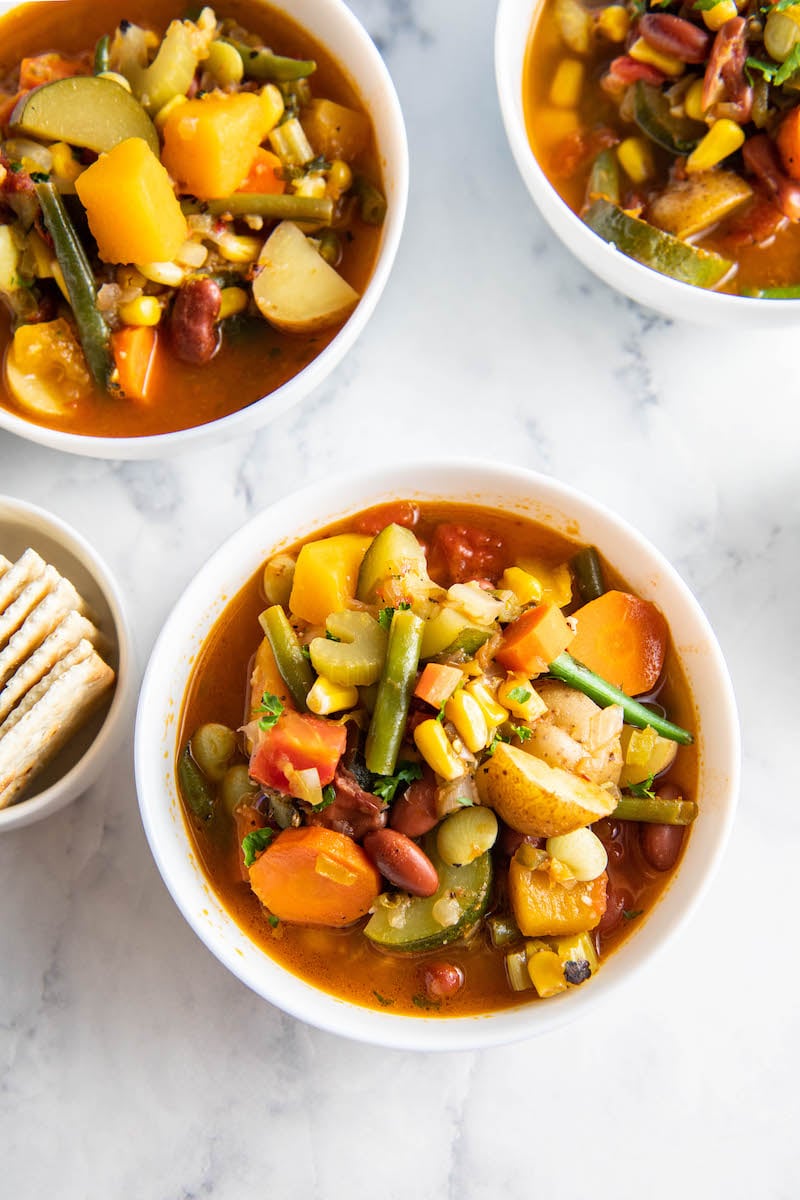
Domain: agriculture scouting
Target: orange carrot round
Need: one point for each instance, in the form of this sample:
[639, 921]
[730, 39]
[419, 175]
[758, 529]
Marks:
[264, 175]
[623, 639]
[788, 140]
[314, 876]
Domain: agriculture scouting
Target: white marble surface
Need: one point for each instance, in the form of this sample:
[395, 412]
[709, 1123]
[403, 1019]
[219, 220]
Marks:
[131, 1063]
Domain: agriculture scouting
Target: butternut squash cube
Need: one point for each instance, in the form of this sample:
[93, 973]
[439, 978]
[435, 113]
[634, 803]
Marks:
[335, 131]
[210, 143]
[131, 206]
[543, 907]
[326, 575]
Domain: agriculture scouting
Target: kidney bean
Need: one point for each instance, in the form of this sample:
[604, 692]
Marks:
[415, 812]
[627, 70]
[192, 325]
[756, 225]
[618, 901]
[675, 37]
[661, 845]
[725, 70]
[402, 862]
[761, 159]
[443, 980]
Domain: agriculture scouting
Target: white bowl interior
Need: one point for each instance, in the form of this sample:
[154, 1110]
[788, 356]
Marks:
[80, 762]
[331, 23]
[515, 491]
[515, 19]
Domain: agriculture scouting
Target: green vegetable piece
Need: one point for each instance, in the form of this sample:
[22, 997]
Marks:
[396, 685]
[254, 842]
[371, 201]
[170, 73]
[604, 693]
[289, 658]
[275, 208]
[467, 643]
[394, 553]
[195, 788]
[101, 55]
[407, 923]
[93, 332]
[213, 746]
[651, 112]
[789, 292]
[588, 572]
[356, 657]
[263, 64]
[655, 249]
[272, 707]
[83, 111]
[603, 181]
[386, 786]
[503, 930]
[655, 810]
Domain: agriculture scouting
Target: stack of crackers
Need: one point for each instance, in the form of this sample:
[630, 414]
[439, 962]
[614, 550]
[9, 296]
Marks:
[52, 675]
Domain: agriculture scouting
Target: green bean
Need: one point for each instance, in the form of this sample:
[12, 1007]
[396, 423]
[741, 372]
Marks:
[604, 178]
[93, 332]
[395, 686]
[789, 292]
[237, 787]
[263, 64]
[330, 247]
[213, 747]
[102, 60]
[197, 790]
[276, 208]
[224, 63]
[371, 201]
[655, 810]
[588, 574]
[294, 667]
[604, 693]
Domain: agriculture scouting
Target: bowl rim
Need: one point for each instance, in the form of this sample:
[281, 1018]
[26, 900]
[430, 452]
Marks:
[263, 411]
[643, 284]
[349, 493]
[85, 772]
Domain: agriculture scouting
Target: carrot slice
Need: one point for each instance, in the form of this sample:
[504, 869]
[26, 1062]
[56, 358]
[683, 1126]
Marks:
[134, 348]
[532, 641]
[437, 683]
[315, 876]
[623, 639]
[788, 140]
[264, 175]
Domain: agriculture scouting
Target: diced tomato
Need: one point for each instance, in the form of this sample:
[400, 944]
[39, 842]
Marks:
[46, 68]
[298, 741]
[376, 519]
[580, 147]
[462, 552]
[264, 175]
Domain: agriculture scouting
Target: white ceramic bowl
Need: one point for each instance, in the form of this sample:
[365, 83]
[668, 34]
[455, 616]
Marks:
[331, 23]
[515, 20]
[516, 491]
[79, 764]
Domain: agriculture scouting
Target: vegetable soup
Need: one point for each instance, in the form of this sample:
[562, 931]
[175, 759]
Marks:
[413, 766]
[190, 209]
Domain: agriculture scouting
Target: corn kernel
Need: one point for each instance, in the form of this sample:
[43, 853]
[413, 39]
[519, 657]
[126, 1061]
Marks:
[495, 713]
[636, 159]
[115, 77]
[166, 110]
[723, 138]
[546, 971]
[65, 165]
[614, 23]
[272, 103]
[558, 123]
[144, 310]
[714, 18]
[434, 746]
[313, 185]
[340, 177]
[233, 300]
[192, 254]
[325, 696]
[519, 697]
[565, 90]
[643, 52]
[525, 587]
[168, 274]
[239, 249]
[693, 100]
[467, 716]
[129, 277]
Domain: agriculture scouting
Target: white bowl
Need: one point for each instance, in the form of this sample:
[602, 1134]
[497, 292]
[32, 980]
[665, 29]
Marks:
[515, 20]
[331, 23]
[517, 492]
[79, 764]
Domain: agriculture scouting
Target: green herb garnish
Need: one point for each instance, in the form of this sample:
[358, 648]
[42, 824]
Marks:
[273, 920]
[272, 707]
[643, 790]
[328, 797]
[630, 914]
[384, 1000]
[420, 1001]
[519, 695]
[254, 842]
[788, 67]
[386, 786]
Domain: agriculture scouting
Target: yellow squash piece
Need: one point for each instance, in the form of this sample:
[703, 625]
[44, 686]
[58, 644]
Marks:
[543, 907]
[554, 580]
[335, 131]
[132, 209]
[535, 798]
[325, 576]
[210, 144]
[266, 677]
[45, 370]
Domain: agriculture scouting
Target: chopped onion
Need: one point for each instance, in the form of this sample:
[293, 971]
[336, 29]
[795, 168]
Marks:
[604, 725]
[446, 911]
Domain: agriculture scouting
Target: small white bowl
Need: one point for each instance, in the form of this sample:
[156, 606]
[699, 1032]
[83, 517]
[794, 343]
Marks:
[516, 491]
[331, 23]
[515, 19]
[80, 763]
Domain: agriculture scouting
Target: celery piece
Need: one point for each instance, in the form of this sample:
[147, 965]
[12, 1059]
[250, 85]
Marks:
[170, 73]
[357, 656]
[394, 692]
[289, 658]
[654, 810]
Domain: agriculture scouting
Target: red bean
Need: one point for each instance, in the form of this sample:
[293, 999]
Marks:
[192, 323]
[661, 845]
[618, 901]
[675, 37]
[402, 862]
[761, 159]
[443, 980]
[627, 70]
[415, 812]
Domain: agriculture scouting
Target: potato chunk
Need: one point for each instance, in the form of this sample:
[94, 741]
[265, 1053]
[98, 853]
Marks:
[543, 907]
[534, 798]
[295, 289]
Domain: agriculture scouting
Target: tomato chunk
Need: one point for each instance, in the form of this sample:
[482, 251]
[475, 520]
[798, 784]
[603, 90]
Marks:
[297, 741]
[462, 552]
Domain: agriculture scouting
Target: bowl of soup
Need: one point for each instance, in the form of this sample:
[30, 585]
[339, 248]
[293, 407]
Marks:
[436, 756]
[658, 143]
[198, 214]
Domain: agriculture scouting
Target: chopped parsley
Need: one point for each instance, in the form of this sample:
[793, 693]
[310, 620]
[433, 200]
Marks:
[328, 797]
[767, 69]
[788, 66]
[522, 732]
[383, 1000]
[40, 177]
[776, 73]
[643, 790]
[781, 6]
[704, 5]
[630, 914]
[420, 1001]
[519, 695]
[386, 786]
[273, 920]
[254, 842]
[386, 614]
[465, 802]
[272, 707]
[331, 636]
